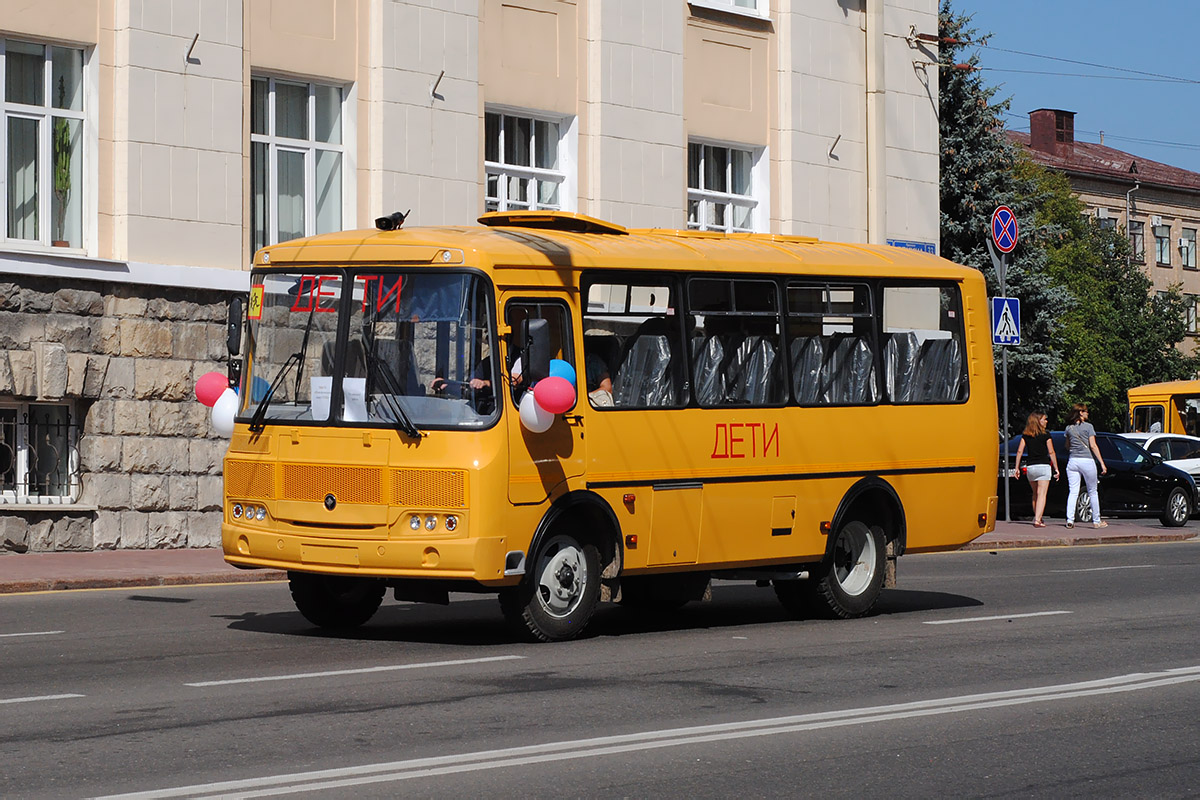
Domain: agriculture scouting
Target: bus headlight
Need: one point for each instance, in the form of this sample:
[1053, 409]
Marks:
[237, 510]
[261, 513]
[431, 522]
[451, 522]
[414, 522]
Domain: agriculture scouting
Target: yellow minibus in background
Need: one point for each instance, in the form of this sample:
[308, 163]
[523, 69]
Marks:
[1169, 407]
[566, 412]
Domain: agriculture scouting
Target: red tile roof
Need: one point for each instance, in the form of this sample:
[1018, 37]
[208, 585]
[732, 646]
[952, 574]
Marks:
[1107, 162]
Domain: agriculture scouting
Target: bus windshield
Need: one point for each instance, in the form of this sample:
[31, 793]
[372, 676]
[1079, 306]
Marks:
[415, 355]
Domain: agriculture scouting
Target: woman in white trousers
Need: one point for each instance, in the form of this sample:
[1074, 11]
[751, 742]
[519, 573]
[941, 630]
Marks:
[1081, 447]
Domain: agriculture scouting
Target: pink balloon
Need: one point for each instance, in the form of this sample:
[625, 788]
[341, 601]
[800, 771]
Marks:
[210, 386]
[554, 394]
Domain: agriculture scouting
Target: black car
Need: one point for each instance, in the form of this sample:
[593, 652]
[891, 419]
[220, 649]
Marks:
[1138, 483]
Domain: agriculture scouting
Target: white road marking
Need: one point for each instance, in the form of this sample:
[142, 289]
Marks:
[30, 633]
[324, 780]
[39, 699]
[362, 671]
[1105, 569]
[992, 619]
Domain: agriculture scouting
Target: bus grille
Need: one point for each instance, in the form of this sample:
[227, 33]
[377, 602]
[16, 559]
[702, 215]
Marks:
[347, 484]
[252, 480]
[429, 488]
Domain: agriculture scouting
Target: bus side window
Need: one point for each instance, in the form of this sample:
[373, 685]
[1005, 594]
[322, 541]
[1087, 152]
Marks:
[831, 344]
[632, 329]
[924, 356]
[555, 313]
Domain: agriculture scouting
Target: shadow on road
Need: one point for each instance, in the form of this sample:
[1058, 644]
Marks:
[477, 621]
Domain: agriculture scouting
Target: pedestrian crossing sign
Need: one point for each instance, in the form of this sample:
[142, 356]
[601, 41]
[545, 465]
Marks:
[1006, 321]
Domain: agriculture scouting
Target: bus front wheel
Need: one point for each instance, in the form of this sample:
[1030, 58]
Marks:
[558, 598]
[847, 583]
[335, 601]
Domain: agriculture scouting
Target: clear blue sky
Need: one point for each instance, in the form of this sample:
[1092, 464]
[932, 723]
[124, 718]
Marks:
[1138, 113]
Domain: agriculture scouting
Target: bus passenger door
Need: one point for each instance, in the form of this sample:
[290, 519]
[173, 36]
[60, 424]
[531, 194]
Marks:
[539, 464]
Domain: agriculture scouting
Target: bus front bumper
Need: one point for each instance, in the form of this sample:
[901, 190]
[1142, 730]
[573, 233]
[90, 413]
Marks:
[478, 559]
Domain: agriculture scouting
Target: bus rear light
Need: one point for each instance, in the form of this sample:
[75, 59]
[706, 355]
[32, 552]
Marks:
[983, 520]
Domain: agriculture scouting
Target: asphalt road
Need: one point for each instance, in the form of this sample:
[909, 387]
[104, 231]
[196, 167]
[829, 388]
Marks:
[1041, 672]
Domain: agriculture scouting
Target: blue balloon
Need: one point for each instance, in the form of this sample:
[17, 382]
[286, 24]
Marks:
[561, 369]
[259, 388]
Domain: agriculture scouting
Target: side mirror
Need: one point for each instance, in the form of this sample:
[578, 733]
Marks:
[533, 337]
[1155, 459]
[233, 334]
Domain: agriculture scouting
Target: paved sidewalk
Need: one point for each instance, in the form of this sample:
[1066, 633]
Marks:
[32, 572]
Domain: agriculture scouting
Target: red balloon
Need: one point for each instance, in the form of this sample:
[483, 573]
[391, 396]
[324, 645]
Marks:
[554, 394]
[210, 386]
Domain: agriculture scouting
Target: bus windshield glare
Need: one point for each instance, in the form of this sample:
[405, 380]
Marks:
[416, 353]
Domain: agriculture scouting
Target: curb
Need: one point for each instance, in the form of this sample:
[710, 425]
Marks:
[61, 584]
[1073, 541]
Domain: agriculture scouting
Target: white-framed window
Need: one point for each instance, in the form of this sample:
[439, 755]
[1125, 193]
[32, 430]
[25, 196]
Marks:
[41, 142]
[1137, 240]
[1162, 245]
[754, 8]
[39, 456]
[528, 161]
[1187, 248]
[726, 188]
[297, 159]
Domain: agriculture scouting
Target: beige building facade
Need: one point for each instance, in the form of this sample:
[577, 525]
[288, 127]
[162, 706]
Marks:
[150, 146]
[1157, 205]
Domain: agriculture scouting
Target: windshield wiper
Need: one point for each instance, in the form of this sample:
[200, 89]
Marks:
[391, 384]
[256, 421]
[391, 388]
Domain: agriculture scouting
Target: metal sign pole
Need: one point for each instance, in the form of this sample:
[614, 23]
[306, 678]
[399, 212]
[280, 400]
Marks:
[1001, 265]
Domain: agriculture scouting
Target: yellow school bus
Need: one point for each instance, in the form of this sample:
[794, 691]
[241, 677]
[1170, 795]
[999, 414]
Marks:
[1169, 407]
[744, 406]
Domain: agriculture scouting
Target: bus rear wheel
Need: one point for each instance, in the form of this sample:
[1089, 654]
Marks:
[847, 583]
[336, 602]
[558, 598]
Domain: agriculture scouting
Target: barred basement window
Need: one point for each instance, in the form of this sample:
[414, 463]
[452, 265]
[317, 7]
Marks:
[39, 455]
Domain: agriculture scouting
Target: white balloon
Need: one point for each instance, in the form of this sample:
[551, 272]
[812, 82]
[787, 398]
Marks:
[533, 416]
[223, 412]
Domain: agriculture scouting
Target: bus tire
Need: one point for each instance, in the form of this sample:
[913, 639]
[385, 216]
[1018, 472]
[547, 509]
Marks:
[336, 602]
[848, 581]
[560, 595]
[1177, 509]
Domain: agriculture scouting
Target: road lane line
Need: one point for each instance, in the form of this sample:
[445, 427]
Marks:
[324, 780]
[1106, 569]
[361, 671]
[30, 633]
[39, 699]
[993, 619]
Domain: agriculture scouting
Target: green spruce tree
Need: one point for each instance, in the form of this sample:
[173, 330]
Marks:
[982, 169]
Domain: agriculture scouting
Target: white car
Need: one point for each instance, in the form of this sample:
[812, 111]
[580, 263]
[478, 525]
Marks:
[1175, 449]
